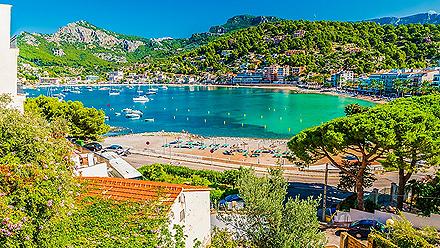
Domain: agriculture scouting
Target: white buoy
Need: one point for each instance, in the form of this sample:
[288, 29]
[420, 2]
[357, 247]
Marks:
[174, 117]
[224, 122]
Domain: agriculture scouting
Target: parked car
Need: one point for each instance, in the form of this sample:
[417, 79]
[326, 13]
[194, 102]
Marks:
[228, 153]
[118, 149]
[361, 228]
[93, 146]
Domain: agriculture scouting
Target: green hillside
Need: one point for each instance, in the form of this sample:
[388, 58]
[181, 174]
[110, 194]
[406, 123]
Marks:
[326, 46]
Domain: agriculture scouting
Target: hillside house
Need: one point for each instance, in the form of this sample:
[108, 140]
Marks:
[189, 205]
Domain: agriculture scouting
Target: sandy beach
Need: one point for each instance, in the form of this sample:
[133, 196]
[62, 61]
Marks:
[148, 148]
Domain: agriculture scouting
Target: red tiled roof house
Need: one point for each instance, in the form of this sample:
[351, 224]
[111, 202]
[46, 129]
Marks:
[189, 205]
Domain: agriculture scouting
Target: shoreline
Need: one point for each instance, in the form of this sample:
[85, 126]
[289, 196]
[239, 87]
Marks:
[298, 90]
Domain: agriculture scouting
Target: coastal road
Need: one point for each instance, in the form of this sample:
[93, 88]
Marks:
[138, 160]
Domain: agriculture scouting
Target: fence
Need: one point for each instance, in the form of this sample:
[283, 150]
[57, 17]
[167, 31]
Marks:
[416, 220]
[348, 241]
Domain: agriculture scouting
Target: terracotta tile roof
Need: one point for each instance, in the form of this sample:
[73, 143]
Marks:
[134, 190]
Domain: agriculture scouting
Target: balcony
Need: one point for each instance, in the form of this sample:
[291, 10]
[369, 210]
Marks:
[13, 42]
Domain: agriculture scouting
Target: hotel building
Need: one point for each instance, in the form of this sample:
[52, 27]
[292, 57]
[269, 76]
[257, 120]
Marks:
[8, 60]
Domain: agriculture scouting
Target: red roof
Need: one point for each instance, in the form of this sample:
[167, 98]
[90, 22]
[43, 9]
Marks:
[134, 190]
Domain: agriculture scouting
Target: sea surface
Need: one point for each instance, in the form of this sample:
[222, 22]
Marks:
[213, 111]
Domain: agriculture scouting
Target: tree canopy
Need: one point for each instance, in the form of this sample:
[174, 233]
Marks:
[82, 122]
[269, 220]
[403, 133]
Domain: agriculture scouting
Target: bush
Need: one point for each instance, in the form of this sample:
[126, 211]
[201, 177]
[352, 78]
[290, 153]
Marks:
[82, 122]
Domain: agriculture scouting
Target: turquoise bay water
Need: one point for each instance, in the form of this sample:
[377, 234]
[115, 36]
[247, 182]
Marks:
[215, 111]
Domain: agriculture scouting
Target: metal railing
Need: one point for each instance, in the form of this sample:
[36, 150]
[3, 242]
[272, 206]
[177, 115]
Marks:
[13, 41]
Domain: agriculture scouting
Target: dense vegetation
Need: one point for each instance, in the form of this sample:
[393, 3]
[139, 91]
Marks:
[362, 47]
[82, 122]
[401, 234]
[268, 219]
[403, 135]
[426, 194]
[41, 203]
[222, 183]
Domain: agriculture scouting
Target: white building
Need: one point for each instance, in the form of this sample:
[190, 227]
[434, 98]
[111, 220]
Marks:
[189, 206]
[116, 76]
[342, 77]
[8, 59]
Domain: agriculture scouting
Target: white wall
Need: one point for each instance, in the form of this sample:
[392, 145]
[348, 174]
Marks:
[417, 220]
[8, 59]
[197, 222]
[5, 25]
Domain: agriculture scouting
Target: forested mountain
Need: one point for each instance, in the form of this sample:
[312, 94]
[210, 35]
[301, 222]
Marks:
[319, 46]
[422, 18]
[244, 42]
[82, 48]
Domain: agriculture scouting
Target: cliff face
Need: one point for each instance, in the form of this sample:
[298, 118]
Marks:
[83, 32]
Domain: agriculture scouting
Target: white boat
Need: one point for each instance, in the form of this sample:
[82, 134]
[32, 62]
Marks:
[141, 99]
[149, 120]
[89, 88]
[137, 112]
[154, 90]
[164, 87]
[132, 116]
[150, 92]
[118, 114]
[104, 88]
[114, 93]
[127, 110]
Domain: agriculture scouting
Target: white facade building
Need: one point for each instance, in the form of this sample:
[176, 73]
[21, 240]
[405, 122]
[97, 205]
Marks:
[8, 60]
[189, 206]
[116, 76]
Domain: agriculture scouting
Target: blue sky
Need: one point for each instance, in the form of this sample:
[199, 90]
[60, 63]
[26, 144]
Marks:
[151, 18]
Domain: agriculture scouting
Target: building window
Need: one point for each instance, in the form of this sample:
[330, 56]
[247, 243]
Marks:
[182, 215]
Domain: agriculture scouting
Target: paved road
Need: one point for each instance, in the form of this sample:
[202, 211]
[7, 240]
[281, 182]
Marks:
[138, 160]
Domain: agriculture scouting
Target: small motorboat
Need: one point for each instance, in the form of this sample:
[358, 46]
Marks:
[150, 92]
[127, 110]
[104, 88]
[141, 99]
[107, 118]
[89, 88]
[137, 112]
[114, 93]
[164, 87]
[132, 116]
[118, 114]
[149, 120]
